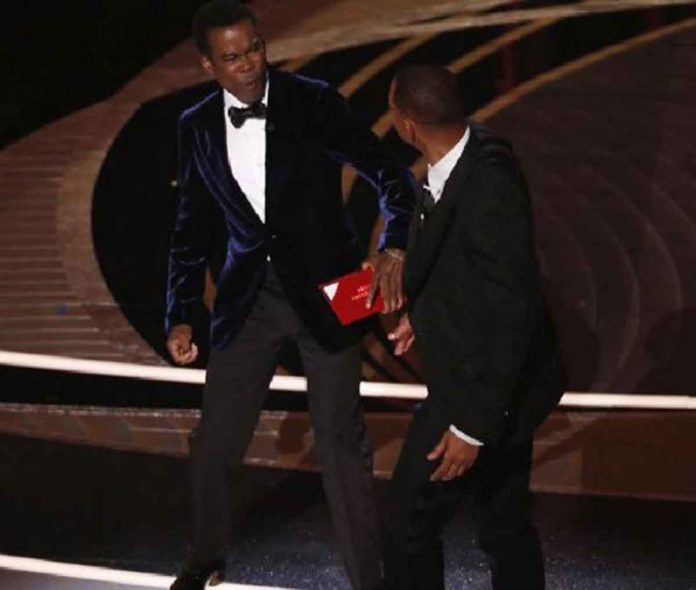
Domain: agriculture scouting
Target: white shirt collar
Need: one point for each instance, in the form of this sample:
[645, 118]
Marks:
[439, 172]
[232, 101]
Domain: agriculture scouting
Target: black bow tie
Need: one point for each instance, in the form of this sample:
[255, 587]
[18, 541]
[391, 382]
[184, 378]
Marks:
[239, 116]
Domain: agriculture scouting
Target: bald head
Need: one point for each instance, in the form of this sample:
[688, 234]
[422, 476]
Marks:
[429, 95]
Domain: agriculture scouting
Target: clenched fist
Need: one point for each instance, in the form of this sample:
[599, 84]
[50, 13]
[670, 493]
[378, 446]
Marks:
[181, 346]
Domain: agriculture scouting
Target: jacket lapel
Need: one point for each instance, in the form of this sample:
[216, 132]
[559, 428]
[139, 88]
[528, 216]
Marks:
[215, 159]
[417, 219]
[424, 248]
[283, 127]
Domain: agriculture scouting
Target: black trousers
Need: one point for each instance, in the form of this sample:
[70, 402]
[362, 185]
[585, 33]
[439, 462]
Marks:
[419, 509]
[236, 386]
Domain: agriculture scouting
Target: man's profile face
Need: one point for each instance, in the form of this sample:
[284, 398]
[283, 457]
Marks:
[237, 60]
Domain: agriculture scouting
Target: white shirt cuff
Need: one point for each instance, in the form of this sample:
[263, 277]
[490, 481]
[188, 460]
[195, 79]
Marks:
[465, 437]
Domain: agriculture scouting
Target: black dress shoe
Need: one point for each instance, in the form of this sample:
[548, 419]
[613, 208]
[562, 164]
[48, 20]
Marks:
[197, 578]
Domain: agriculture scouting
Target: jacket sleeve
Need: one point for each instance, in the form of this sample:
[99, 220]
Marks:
[497, 239]
[191, 237]
[350, 141]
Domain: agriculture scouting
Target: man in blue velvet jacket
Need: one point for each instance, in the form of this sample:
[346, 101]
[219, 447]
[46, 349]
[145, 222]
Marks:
[264, 153]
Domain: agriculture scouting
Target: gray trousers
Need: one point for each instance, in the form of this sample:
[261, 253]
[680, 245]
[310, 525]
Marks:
[236, 387]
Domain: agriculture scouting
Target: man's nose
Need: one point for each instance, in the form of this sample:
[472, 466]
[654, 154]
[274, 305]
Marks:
[247, 63]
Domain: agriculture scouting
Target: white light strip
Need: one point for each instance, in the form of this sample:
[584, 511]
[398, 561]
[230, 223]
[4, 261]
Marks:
[105, 368]
[628, 401]
[101, 574]
[299, 384]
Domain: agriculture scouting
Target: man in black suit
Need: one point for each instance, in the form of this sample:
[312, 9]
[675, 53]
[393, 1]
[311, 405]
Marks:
[483, 332]
[263, 154]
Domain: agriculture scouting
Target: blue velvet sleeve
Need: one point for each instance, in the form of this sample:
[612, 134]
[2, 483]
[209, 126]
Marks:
[349, 141]
[191, 238]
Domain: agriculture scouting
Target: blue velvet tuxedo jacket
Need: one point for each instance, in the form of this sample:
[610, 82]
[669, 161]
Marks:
[310, 134]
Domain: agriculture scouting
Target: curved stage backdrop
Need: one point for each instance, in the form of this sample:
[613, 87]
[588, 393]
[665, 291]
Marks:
[597, 96]
[601, 111]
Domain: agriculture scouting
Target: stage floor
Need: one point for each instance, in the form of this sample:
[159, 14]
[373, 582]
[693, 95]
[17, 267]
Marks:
[17, 580]
[86, 578]
[128, 511]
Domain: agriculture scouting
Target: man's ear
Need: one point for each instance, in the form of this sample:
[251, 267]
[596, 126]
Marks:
[410, 129]
[207, 65]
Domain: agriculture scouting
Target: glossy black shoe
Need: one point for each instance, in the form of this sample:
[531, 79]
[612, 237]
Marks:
[197, 578]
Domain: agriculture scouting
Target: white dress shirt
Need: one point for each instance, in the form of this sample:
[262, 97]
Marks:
[438, 174]
[246, 152]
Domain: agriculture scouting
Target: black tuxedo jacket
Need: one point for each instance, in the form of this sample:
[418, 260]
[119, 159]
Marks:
[484, 334]
[311, 132]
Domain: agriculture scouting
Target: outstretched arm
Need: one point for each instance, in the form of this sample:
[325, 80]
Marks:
[349, 141]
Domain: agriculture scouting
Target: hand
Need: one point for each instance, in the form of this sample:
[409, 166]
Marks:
[457, 456]
[389, 268]
[402, 335]
[180, 345]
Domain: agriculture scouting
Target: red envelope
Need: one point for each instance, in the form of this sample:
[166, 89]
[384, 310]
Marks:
[347, 296]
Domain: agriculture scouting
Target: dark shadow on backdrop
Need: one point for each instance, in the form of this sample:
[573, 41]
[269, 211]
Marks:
[134, 209]
[62, 56]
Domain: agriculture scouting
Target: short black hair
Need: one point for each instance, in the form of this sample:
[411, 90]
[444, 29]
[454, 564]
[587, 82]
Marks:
[430, 95]
[217, 13]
